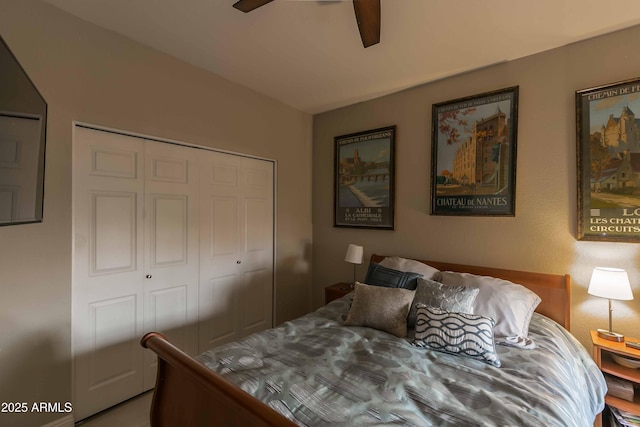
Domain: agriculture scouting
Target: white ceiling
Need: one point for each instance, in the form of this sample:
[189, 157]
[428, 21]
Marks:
[308, 53]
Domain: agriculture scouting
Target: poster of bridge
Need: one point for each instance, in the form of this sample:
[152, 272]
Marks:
[364, 179]
[608, 148]
[473, 154]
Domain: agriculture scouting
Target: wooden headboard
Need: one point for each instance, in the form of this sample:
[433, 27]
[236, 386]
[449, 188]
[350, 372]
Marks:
[554, 289]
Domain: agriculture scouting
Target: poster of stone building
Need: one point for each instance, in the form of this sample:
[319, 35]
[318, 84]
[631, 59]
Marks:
[608, 148]
[473, 155]
[364, 179]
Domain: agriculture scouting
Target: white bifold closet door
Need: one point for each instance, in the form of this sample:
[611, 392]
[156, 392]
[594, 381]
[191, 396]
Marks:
[236, 247]
[170, 248]
[135, 261]
[166, 238]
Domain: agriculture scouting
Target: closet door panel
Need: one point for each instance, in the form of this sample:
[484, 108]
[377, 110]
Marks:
[223, 226]
[114, 163]
[219, 310]
[113, 232]
[218, 299]
[169, 312]
[171, 247]
[256, 301]
[107, 269]
[257, 234]
[112, 357]
[170, 230]
[258, 230]
[236, 256]
[219, 274]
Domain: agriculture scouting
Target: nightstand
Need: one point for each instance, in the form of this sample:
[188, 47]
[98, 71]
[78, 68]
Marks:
[602, 354]
[336, 291]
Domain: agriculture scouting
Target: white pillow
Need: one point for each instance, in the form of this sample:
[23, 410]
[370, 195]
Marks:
[411, 265]
[509, 304]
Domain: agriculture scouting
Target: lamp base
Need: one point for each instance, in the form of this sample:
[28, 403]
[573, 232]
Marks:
[611, 336]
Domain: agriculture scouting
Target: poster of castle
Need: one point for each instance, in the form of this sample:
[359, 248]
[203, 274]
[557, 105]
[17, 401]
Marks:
[608, 148]
[474, 155]
[364, 179]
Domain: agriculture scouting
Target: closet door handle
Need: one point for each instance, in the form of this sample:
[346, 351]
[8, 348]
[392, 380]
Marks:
[148, 276]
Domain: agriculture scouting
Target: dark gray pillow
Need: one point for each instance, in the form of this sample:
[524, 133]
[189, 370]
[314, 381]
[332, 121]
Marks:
[378, 275]
[457, 299]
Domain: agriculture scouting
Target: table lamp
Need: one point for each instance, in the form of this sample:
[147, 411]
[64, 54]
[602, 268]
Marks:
[354, 256]
[610, 283]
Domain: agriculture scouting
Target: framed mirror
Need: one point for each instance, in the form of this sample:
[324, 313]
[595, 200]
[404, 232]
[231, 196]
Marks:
[23, 123]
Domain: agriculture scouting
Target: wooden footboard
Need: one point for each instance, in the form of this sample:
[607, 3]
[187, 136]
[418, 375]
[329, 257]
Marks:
[189, 394]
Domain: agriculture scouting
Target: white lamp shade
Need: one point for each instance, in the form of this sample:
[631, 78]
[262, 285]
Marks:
[612, 283]
[354, 254]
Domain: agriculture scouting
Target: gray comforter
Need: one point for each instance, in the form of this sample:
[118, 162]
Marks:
[317, 372]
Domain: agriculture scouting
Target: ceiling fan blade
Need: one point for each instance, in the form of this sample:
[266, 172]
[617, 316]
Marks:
[368, 17]
[249, 5]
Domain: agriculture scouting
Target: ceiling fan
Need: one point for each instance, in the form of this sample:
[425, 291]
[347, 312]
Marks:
[367, 16]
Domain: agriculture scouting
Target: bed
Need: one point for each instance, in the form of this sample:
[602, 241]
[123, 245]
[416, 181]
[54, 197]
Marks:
[315, 371]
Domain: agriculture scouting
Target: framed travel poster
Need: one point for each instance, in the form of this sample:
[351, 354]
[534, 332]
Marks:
[473, 155]
[608, 148]
[364, 179]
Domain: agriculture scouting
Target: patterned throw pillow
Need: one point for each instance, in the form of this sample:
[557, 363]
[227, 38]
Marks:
[378, 275]
[462, 334]
[457, 299]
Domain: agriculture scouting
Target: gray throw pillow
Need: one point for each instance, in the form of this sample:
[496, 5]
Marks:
[380, 308]
[449, 298]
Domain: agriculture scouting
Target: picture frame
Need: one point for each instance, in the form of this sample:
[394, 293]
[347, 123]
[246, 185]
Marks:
[364, 179]
[608, 152]
[473, 154]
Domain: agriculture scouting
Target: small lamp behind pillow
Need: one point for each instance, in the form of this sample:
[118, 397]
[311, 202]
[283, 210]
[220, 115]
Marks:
[354, 256]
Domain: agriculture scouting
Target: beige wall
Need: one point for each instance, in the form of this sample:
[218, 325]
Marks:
[94, 76]
[541, 237]
[91, 75]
